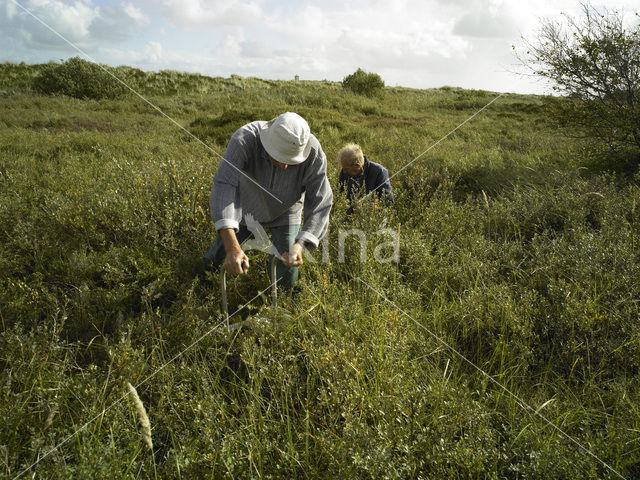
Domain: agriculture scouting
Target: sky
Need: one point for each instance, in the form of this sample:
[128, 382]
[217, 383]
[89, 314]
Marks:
[409, 43]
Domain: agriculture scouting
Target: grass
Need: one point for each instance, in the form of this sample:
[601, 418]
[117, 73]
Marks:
[518, 253]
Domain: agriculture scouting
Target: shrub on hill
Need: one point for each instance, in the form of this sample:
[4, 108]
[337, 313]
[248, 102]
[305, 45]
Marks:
[77, 78]
[364, 83]
[593, 62]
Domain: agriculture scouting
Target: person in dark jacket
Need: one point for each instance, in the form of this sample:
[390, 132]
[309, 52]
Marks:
[360, 177]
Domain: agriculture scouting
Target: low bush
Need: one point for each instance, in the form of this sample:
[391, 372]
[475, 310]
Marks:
[78, 78]
[364, 83]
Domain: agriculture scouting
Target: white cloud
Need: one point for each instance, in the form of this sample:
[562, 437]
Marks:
[153, 52]
[10, 10]
[201, 13]
[151, 56]
[71, 21]
[135, 14]
[229, 47]
[486, 23]
[81, 23]
[377, 36]
[117, 23]
[256, 49]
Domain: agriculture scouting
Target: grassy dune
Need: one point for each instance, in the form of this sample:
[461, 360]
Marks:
[514, 250]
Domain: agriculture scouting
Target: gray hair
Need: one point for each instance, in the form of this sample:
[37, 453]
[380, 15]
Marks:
[351, 154]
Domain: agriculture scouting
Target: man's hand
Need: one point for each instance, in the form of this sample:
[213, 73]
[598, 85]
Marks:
[293, 258]
[236, 262]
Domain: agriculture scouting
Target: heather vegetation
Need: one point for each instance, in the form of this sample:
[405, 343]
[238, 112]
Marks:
[515, 249]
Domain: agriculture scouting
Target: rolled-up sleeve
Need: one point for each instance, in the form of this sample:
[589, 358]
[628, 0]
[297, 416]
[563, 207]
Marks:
[224, 201]
[318, 200]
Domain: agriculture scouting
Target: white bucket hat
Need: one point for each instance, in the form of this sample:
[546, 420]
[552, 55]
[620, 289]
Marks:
[286, 138]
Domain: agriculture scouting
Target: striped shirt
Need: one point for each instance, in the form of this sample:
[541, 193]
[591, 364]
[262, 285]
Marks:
[247, 183]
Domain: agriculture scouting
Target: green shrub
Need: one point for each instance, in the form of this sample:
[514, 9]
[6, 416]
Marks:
[592, 61]
[364, 83]
[78, 78]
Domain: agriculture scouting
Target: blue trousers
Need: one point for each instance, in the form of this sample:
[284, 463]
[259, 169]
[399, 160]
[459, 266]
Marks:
[283, 238]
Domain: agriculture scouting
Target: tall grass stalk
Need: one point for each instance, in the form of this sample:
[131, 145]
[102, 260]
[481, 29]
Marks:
[143, 418]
